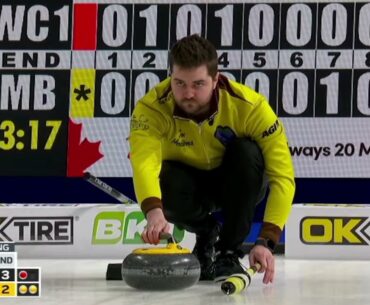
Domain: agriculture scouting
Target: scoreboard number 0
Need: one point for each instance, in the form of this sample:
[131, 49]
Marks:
[188, 21]
[143, 83]
[115, 27]
[363, 93]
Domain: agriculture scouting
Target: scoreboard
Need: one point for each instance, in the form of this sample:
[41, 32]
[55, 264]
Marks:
[16, 281]
[71, 72]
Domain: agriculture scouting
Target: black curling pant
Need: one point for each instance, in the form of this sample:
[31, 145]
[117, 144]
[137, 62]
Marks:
[190, 195]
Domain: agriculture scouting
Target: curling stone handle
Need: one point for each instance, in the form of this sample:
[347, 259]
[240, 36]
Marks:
[168, 236]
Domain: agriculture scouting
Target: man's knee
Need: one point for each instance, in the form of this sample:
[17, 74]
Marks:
[175, 177]
[178, 187]
[245, 150]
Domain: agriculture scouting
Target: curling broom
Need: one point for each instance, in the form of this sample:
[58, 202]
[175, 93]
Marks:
[238, 282]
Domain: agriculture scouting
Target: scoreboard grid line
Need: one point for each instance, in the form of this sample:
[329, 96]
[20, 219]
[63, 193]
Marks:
[169, 36]
[130, 99]
[206, 23]
[278, 62]
[353, 54]
[315, 74]
[241, 47]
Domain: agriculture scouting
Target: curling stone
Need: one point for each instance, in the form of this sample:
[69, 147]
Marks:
[161, 268]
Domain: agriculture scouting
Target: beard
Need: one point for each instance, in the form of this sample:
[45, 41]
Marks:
[193, 107]
[189, 105]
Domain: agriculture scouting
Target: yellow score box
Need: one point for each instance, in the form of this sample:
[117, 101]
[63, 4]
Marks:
[28, 289]
[8, 289]
[12, 289]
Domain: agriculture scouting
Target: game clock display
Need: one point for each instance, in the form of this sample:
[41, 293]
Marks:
[14, 137]
[26, 146]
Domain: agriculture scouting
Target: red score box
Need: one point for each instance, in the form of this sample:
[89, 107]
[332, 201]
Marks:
[28, 275]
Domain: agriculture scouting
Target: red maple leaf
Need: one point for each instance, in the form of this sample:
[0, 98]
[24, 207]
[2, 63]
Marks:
[81, 154]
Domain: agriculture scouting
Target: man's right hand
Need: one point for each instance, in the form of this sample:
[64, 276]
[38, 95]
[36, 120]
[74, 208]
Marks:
[156, 224]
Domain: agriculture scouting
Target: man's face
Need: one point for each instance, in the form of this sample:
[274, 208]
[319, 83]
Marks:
[192, 88]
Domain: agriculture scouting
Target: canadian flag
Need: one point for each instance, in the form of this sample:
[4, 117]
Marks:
[81, 152]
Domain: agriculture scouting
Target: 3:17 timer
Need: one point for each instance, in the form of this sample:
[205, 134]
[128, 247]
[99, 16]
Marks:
[12, 137]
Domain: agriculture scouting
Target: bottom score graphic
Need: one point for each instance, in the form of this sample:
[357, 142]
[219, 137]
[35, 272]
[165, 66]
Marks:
[17, 281]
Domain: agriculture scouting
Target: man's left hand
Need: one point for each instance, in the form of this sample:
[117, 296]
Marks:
[262, 255]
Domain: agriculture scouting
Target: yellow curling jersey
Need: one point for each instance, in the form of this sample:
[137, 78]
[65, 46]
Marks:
[158, 133]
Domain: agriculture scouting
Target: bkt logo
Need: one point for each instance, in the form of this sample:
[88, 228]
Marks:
[37, 230]
[119, 227]
[335, 230]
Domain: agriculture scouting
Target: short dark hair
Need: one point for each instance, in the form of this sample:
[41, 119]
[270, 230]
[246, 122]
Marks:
[193, 51]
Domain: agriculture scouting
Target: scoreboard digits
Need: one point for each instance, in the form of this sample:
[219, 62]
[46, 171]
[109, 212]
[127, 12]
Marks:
[310, 59]
[311, 50]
